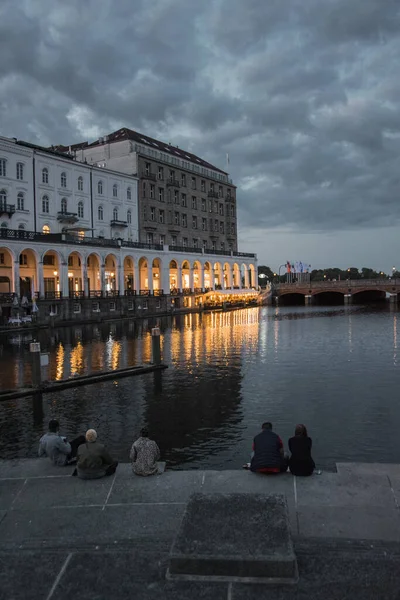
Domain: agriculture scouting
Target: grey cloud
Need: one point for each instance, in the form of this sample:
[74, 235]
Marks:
[304, 96]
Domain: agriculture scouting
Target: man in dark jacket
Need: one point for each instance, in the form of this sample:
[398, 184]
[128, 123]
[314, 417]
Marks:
[57, 448]
[94, 460]
[268, 455]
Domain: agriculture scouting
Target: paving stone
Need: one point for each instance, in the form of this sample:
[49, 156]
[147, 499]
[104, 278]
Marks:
[32, 467]
[172, 486]
[234, 536]
[368, 469]
[9, 491]
[331, 489]
[70, 491]
[360, 522]
[59, 527]
[28, 575]
[127, 575]
[243, 481]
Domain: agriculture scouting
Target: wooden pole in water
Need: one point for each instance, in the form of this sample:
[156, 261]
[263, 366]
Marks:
[34, 349]
[156, 346]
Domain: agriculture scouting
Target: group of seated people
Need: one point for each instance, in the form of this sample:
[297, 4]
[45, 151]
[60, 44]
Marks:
[268, 454]
[92, 458]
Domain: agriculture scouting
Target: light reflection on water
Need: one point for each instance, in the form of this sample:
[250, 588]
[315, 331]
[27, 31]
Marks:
[334, 369]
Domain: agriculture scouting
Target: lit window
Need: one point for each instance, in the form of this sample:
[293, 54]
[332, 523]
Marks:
[115, 191]
[46, 229]
[80, 210]
[45, 175]
[129, 194]
[100, 188]
[45, 204]
[64, 205]
[20, 171]
[3, 167]
[20, 201]
[80, 184]
[63, 180]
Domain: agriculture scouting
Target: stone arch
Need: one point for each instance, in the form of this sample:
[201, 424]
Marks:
[174, 285]
[197, 275]
[236, 276]
[157, 274]
[129, 275]
[185, 276]
[252, 276]
[93, 266]
[218, 276]
[52, 279]
[244, 276]
[7, 259]
[227, 276]
[29, 281]
[75, 266]
[208, 278]
[143, 273]
[110, 273]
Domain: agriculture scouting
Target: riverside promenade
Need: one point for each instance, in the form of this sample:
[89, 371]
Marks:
[63, 538]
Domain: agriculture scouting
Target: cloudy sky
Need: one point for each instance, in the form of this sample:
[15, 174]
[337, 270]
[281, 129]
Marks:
[304, 95]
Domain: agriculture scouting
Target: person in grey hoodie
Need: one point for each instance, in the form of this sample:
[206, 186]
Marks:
[57, 448]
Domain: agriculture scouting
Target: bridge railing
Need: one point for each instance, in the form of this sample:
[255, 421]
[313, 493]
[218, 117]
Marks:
[343, 283]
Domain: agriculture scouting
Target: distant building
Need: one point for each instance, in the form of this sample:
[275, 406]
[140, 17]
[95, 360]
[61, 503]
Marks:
[184, 201]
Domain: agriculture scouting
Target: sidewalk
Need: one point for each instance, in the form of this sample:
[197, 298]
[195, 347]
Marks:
[61, 537]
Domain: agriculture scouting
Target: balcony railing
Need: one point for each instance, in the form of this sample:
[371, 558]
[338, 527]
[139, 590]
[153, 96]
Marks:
[95, 294]
[76, 294]
[142, 245]
[7, 209]
[158, 293]
[118, 223]
[245, 254]
[130, 293]
[213, 194]
[198, 290]
[144, 293]
[67, 217]
[186, 249]
[173, 182]
[151, 176]
[63, 238]
[53, 295]
[111, 293]
[174, 292]
[186, 291]
[6, 298]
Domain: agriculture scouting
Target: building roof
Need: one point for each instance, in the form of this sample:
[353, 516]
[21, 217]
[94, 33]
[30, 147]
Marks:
[51, 150]
[129, 134]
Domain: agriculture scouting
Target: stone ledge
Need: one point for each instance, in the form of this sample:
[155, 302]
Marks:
[234, 537]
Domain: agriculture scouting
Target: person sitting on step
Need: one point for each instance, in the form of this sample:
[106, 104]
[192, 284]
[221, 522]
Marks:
[268, 455]
[94, 460]
[301, 462]
[57, 448]
[144, 455]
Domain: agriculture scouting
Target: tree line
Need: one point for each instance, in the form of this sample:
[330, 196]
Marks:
[329, 274]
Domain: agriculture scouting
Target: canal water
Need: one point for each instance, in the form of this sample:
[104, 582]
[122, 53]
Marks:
[336, 369]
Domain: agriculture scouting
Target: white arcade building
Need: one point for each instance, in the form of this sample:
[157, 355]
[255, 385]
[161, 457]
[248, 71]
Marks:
[69, 240]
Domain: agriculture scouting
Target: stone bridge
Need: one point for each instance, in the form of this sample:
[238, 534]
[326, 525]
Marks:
[339, 292]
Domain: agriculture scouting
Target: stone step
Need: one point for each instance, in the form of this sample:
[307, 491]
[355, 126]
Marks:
[234, 537]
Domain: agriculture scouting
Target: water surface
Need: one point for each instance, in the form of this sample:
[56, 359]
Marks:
[334, 369]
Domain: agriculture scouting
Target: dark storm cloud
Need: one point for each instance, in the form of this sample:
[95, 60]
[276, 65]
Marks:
[304, 96]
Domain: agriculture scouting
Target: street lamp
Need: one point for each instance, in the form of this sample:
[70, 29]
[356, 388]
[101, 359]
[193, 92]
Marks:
[393, 271]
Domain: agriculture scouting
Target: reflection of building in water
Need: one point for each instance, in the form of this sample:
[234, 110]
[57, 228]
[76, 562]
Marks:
[395, 339]
[60, 356]
[76, 359]
[207, 412]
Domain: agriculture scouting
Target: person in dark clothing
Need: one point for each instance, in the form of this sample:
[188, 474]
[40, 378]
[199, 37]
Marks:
[94, 460]
[57, 448]
[301, 462]
[268, 455]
